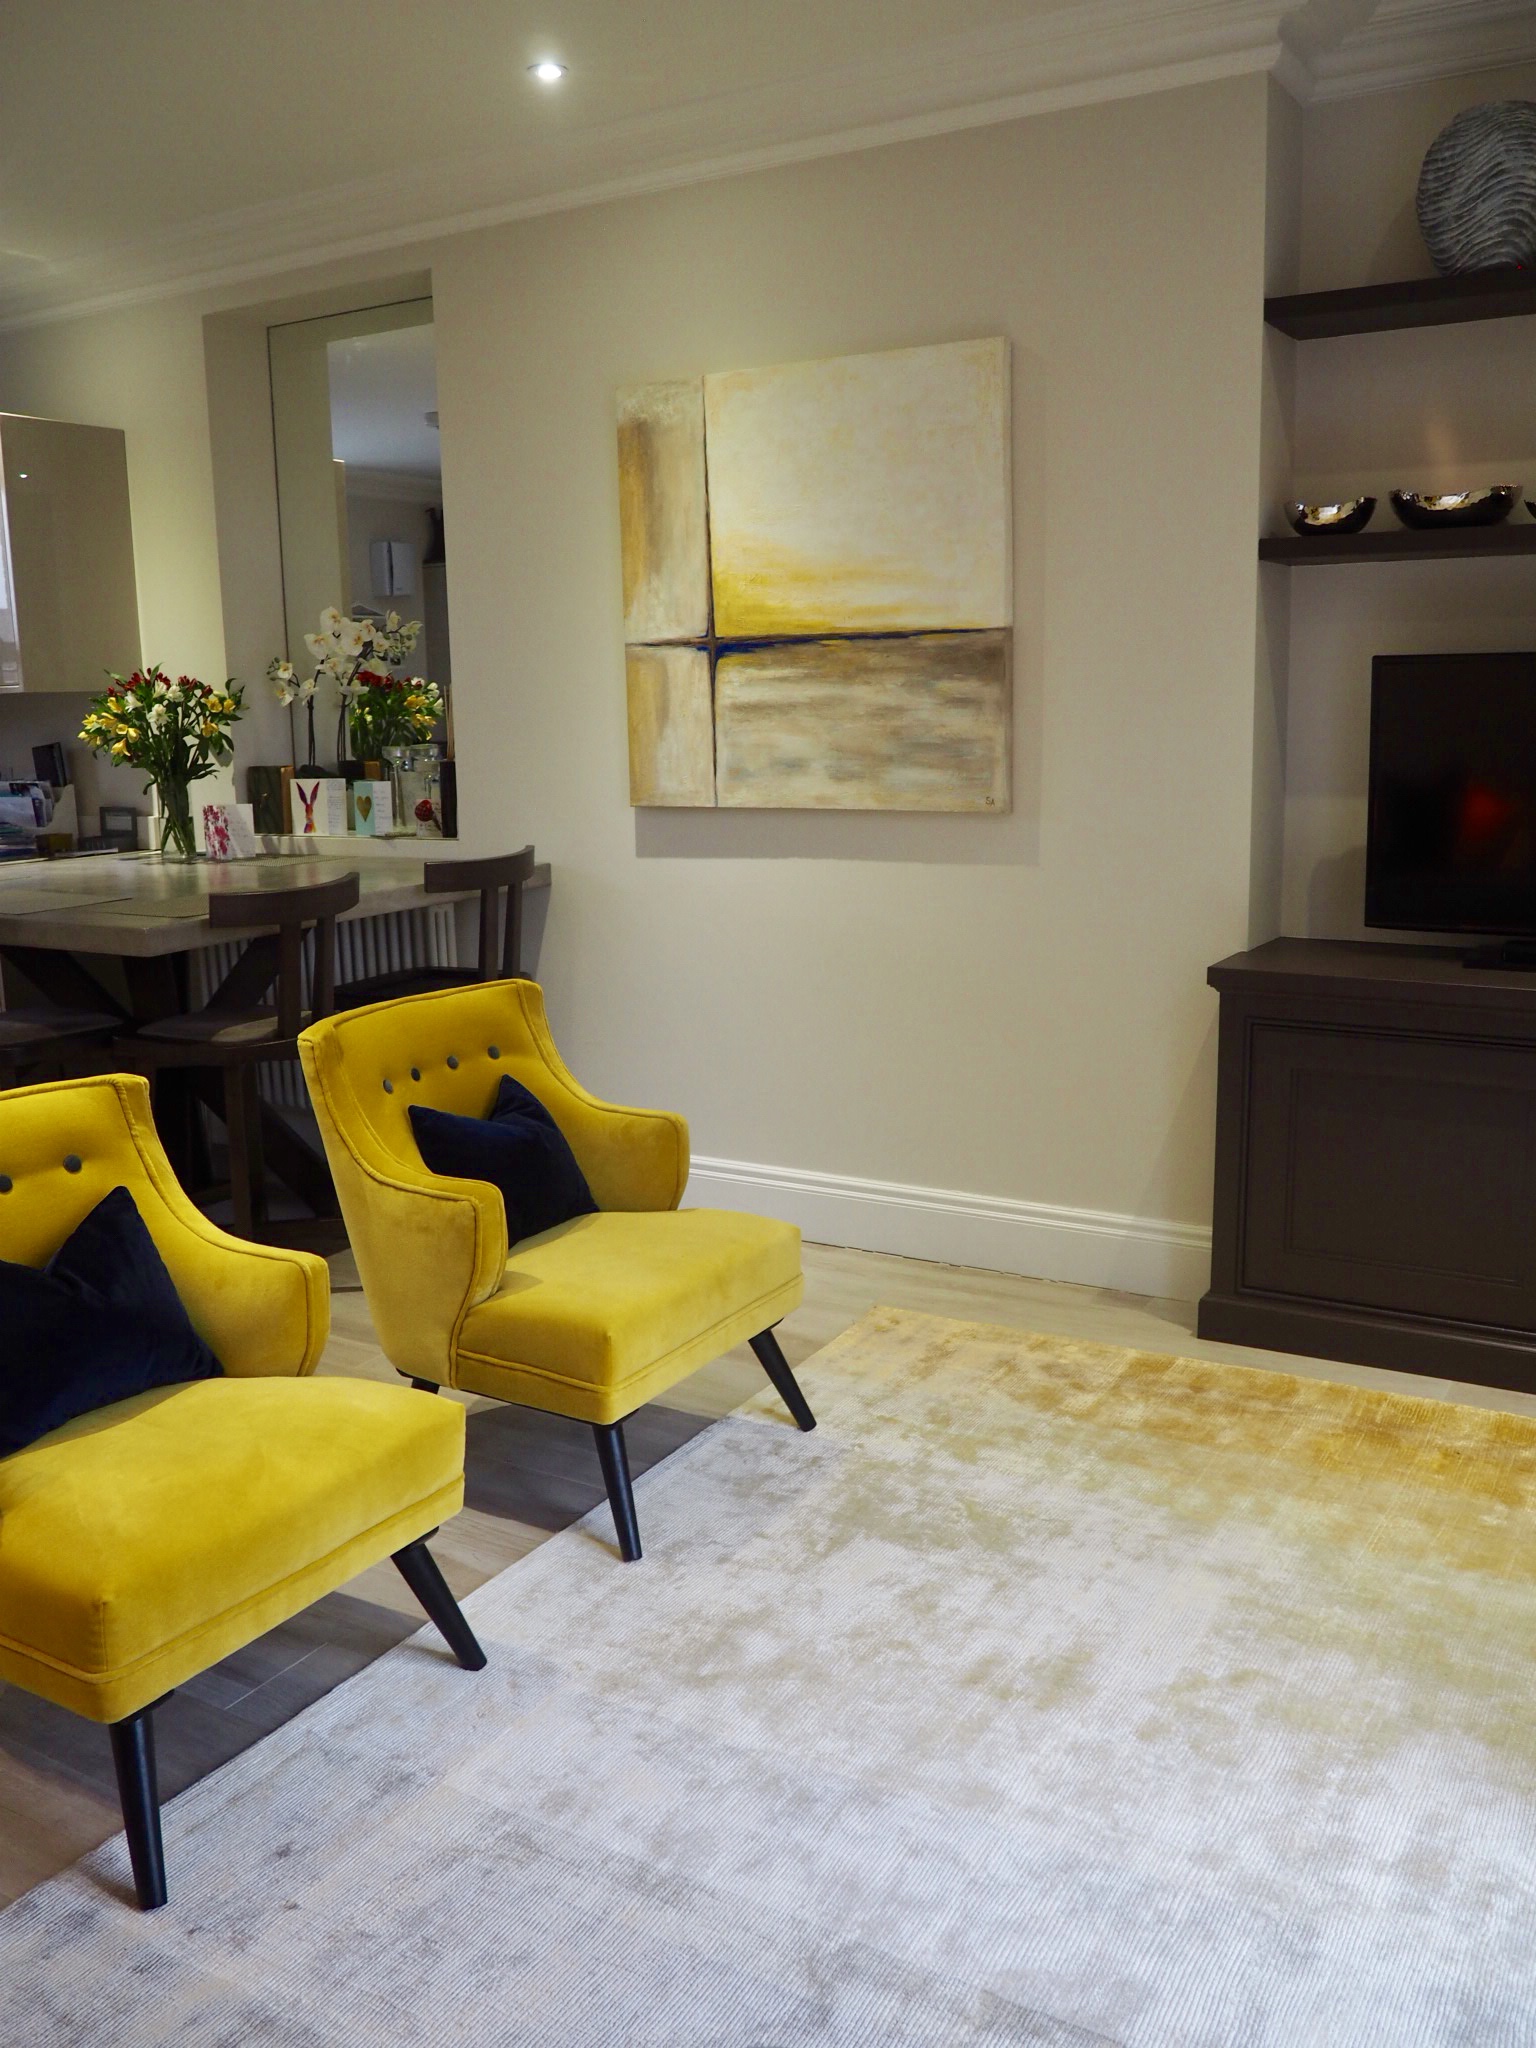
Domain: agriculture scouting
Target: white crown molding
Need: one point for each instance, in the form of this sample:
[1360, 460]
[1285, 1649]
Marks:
[1090, 1247]
[1405, 42]
[397, 486]
[1075, 55]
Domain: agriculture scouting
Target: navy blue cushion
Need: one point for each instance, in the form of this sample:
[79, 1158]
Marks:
[519, 1149]
[102, 1320]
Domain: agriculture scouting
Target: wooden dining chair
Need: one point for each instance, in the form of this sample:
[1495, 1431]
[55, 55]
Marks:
[237, 1031]
[487, 878]
[40, 1044]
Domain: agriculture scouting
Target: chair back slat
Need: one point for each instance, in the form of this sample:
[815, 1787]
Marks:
[488, 924]
[322, 979]
[290, 960]
[293, 911]
[512, 935]
[509, 871]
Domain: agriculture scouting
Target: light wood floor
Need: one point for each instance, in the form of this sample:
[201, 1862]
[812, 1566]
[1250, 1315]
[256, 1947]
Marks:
[529, 1476]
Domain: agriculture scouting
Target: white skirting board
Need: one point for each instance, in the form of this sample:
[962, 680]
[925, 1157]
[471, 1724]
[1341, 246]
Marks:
[1093, 1247]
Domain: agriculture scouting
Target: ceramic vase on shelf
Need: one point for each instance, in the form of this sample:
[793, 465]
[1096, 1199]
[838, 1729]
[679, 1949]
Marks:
[1477, 191]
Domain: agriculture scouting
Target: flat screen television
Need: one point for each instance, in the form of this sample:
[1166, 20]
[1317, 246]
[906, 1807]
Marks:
[1451, 840]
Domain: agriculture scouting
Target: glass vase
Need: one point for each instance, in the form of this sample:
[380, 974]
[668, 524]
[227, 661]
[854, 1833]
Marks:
[178, 841]
[399, 766]
[413, 775]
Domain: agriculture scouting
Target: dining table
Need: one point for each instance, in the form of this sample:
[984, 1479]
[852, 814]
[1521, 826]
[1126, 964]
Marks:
[116, 932]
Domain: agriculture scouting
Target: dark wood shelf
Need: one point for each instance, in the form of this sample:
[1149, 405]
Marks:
[1416, 302]
[1399, 544]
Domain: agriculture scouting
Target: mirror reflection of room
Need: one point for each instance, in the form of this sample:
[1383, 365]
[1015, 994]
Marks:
[368, 673]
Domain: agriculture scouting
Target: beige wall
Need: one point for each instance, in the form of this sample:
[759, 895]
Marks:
[1010, 1007]
[1428, 410]
[239, 409]
[1015, 1006]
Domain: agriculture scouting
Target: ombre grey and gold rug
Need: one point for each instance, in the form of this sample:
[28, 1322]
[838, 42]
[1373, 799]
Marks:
[1047, 1694]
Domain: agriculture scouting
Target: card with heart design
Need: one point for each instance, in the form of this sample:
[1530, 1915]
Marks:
[373, 812]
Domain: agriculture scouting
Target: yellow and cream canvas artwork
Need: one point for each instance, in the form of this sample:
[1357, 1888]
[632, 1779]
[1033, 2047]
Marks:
[818, 597]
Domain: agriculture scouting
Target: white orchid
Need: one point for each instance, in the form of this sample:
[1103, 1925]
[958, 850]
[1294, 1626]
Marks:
[340, 651]
[159, 713]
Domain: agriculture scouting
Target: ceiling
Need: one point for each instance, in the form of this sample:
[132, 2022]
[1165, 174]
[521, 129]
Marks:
[146, 145]
[382, 388]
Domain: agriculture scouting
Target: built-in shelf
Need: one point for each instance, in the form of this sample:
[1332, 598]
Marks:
[1417, 302]
[1450, 544]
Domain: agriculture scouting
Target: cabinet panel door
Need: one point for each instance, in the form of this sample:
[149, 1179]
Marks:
[1392, 1172]
[66, 553]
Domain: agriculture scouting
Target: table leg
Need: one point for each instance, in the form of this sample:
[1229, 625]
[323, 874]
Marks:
[63, 980]
[296, 1164]
[158, 988]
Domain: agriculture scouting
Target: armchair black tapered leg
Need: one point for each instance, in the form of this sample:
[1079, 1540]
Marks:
[133, 1753]
[776, 1365]
[621, 1494]
[418, 1568]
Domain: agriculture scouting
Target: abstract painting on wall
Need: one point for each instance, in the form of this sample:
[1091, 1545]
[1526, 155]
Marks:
[818, 600]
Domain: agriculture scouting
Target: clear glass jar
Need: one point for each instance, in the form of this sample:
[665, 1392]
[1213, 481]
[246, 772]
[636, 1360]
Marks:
[415, 776]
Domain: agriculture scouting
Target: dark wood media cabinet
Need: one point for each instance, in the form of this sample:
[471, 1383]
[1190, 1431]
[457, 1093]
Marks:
[1376, 1159]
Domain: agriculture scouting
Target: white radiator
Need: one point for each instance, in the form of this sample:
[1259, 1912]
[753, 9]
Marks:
[364, 946]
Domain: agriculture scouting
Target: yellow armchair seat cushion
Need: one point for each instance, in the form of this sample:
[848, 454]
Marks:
[141, 1543]
[602, 1313]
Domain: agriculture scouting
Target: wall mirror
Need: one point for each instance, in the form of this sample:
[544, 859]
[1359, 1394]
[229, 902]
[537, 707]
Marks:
[359, 487]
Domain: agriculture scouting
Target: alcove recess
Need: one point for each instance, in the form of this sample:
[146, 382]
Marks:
[1422, 385]
[1390, 308]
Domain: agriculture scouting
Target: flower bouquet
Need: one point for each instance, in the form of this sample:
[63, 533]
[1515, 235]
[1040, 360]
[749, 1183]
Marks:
[390, 711]
[177, 732]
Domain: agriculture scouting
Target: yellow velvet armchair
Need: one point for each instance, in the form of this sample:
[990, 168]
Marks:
[590, 1319]
[141, 1543]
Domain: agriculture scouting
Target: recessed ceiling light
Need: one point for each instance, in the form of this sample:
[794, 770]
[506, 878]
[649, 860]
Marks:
[547, 71]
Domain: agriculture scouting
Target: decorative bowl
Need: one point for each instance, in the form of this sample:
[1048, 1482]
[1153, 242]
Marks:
[1345, 515]
[1484, 507]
